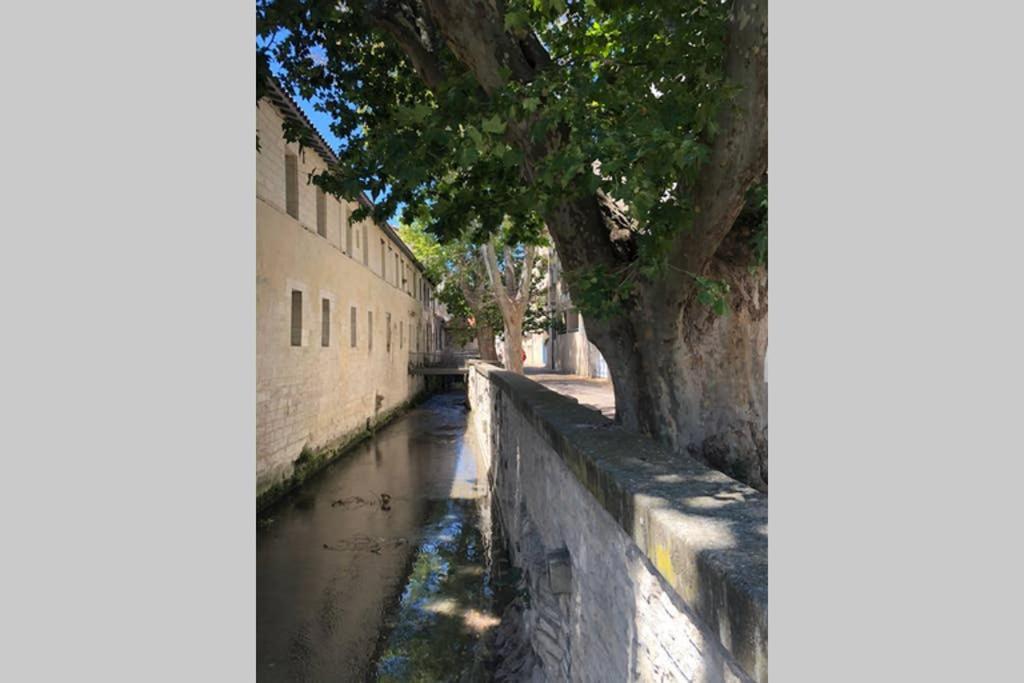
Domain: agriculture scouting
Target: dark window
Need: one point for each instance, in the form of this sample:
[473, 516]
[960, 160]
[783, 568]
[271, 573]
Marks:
[321, 213]
[352, 323]
[401, 334]
[291, 185]
[383, 262]
[296, 318]
[369, 330]
[325, 322]
[387, 332]
[365, 247]
[343, 212]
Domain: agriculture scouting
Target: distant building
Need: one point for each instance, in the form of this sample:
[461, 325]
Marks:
[569, 352]
[341, 309]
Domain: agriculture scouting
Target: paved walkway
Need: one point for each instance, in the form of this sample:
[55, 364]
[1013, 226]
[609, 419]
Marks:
[595, 393]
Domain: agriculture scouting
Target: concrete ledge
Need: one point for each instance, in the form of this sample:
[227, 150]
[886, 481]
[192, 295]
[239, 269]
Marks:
[704, 533]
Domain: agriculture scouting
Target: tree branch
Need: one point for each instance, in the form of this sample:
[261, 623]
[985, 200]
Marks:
[508, 273]
[739, 153]
[410, 24]
[500, 292]
[525, 278]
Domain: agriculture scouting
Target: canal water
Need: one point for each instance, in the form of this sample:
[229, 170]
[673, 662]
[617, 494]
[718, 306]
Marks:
[386, 565]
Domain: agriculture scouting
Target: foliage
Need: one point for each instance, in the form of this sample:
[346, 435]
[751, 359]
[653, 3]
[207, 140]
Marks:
[632, 99]
[457, 262]
[757, 202]
[449, 265]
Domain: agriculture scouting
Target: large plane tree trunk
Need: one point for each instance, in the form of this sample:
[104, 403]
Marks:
[694, 379]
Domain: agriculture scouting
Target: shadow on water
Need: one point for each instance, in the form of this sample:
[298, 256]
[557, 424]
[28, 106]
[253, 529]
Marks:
[381, 566]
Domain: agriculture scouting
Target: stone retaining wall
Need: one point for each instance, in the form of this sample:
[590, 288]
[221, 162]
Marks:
[639, 567]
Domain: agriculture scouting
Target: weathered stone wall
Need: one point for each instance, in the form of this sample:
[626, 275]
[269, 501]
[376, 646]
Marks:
[637, 568]
[311, 396]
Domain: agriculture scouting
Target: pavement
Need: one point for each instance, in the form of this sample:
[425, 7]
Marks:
[595, 393]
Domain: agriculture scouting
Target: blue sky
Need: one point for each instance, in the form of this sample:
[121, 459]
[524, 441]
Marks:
[321, 121]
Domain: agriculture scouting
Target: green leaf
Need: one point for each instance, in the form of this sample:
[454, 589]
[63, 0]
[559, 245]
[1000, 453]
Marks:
[494, 125]
[476, 137]
[516, 19]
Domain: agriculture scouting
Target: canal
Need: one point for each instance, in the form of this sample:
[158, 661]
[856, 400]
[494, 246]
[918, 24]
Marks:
[386, 565]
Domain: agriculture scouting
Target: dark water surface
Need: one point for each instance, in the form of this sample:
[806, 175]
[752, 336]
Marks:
[380, 568]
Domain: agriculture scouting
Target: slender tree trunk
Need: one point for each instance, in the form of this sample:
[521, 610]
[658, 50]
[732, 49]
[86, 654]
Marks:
[485, 342]
[514, 345]
[512, 293]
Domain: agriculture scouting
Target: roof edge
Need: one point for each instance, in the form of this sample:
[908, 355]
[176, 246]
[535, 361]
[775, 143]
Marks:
[287, 105]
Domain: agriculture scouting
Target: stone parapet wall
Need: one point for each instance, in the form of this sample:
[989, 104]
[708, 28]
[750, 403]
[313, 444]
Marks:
[638, 566]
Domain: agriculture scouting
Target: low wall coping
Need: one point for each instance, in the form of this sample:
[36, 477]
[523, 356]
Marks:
[705, 533]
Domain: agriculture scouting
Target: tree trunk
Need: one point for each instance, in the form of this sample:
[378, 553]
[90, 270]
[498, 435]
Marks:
[695, 380]
[485, 342]
[512, 294]
[514, 345]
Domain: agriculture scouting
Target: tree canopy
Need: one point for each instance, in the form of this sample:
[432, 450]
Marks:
[632, 94]
[633, 131]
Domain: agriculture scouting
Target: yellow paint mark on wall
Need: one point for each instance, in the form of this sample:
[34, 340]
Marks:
[663, 561]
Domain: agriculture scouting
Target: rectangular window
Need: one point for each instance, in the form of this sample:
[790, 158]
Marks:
[401, 334]
[347, 227]
[321, 213]
[325, 322]
[387, 332]
[291, 185]
[572, 320]
[353, 337]
[296, 317]
[365, 247]
[369, 330]
[383, 262]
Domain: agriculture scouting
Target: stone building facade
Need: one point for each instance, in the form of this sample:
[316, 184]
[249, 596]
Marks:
[569, 351]
[342, 309]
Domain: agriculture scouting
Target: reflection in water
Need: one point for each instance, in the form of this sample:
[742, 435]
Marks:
[380, 568]
[447, 603]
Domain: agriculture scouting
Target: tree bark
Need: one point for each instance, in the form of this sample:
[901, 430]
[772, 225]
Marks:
[695, 380]
[514, 345]
[513, 296]
[485, 341]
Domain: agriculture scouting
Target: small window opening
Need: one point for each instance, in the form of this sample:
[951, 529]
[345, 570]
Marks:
[325, 322]
[296, 317]
[291, 185]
